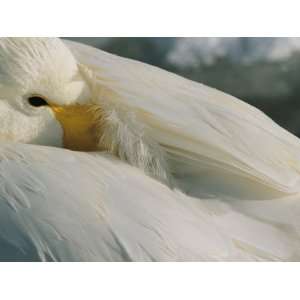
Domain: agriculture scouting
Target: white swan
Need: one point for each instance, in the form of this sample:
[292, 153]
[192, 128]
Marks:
[225, 177]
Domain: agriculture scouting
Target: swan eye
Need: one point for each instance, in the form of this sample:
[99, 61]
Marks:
[37, 101]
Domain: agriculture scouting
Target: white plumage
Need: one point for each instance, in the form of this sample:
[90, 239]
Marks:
[71, 206]
[196, 124]
[240, 169]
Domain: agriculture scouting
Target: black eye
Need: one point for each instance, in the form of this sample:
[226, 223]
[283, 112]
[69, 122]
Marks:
[37, 101]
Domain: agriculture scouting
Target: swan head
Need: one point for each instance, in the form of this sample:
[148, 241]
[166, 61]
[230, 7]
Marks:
[43, 97]
[48, 98]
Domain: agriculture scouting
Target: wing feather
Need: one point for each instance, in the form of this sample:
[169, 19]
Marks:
[69, 206]
[61, 205]
[198, 126]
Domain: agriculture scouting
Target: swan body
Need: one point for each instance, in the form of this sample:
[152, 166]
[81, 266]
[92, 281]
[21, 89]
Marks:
[61, 205]
[158, 168]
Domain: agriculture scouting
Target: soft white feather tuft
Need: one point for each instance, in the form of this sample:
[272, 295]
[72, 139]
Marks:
[121, 134]
[124, 136]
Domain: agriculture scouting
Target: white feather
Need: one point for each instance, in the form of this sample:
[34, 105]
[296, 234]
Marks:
[61, 205]
[199, 127]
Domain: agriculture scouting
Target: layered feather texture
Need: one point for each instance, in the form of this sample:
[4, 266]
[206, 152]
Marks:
[199, 128]
[240, 169]
[61, 205]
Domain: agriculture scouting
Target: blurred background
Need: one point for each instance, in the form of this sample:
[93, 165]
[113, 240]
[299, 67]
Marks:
[264, 72]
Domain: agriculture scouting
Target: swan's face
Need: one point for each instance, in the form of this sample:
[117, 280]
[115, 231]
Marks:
[43, 98]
